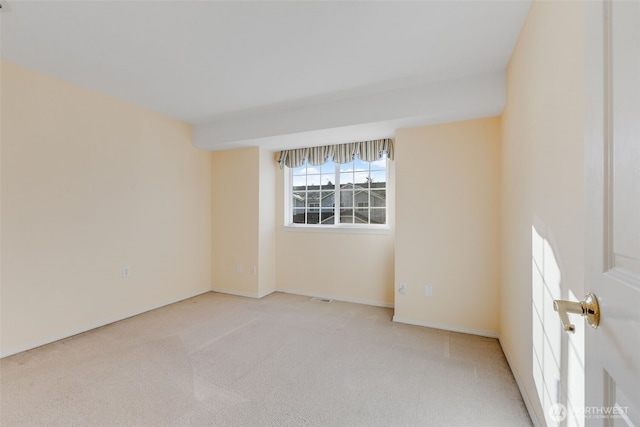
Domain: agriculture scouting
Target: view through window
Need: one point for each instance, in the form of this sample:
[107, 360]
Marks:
[353, 193]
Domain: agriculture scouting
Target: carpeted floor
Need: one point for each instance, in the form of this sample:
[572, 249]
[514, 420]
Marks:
[284, 360]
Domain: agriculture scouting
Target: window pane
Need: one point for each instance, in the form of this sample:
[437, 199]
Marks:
[359, 165]
[328, 188]
[378, 216]
[361, 199]
[328, 181]
[346, 178]
[380, 164]
[300, 170]
[299, 182]
[299, 199]
[378, 198]
[329, 167]
[346, 216]
[361, 216]
[327, 216]
[346, 198]
[313, 199]
[313, 217]
[378, 176]
[346, 167]
[313, 180]
[298, 216]
[313, 169]
[328, 199]
[362, 179]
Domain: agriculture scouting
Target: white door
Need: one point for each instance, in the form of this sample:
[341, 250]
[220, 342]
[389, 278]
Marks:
[612, 196]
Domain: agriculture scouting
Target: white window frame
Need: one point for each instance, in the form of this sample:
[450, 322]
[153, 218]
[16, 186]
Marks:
[339, 227]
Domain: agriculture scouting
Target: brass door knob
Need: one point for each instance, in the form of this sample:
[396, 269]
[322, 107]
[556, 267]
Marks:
[588, 308]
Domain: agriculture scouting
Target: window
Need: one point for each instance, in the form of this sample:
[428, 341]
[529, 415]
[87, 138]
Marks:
[333, 194]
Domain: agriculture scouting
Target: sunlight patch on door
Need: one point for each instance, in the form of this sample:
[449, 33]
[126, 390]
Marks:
[558, 374]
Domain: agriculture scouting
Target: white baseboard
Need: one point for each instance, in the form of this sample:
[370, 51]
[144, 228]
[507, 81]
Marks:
[241, 293]
[479, 332]
[525, 396]
[95, 325]
[336, 298]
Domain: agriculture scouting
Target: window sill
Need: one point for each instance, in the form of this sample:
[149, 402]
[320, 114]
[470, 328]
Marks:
[344, 229]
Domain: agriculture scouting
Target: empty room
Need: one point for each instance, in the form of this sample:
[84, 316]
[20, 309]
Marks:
[320, 213]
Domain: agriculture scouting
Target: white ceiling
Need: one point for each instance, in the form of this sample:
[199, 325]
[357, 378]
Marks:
[276, 73]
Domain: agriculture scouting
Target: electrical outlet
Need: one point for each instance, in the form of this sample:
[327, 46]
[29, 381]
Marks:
[254, 270]
[126, 272]
[403, 288]
[428, 290]
[239, 268]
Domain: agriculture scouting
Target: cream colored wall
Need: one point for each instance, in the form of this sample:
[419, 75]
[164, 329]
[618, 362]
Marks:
[243, 222]
[90, 184]
[267, 219]
[542, 168]
[235, 220]
[346, 266]
[448, 225]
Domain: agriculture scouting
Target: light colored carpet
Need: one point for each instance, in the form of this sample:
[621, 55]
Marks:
[284, 360]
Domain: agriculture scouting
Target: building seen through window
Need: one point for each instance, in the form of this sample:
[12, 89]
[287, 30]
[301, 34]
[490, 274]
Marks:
[332, 193]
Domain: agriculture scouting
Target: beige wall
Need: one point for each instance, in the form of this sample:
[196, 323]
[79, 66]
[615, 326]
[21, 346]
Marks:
[235, 225]
[243, 222]
[448, 225]
[348, 266]
[542, 170]
[90, 184]
[267, 223]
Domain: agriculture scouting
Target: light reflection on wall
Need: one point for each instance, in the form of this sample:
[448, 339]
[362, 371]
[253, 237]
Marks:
[558, 360]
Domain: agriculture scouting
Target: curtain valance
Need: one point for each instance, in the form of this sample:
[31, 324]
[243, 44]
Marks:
[367, 151]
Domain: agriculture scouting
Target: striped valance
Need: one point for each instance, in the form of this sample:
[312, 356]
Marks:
[367, 151]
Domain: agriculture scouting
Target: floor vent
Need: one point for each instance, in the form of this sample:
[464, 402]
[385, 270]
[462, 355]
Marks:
[321, 299]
